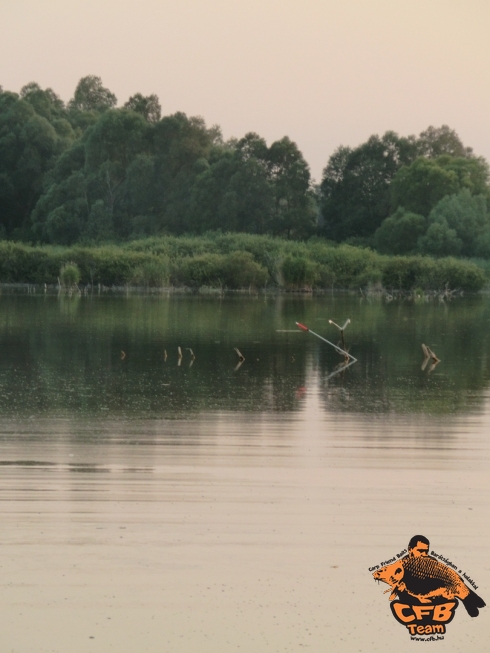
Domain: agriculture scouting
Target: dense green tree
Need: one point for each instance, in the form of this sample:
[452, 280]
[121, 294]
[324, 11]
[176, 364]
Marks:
[482, 246]
[440, 240]
[143, 172]
[250, 198]
[91, 95]
[65, 224]
[233, 194]
[294, 210]
[355, 189]
[466, 215]
[45, 102]
[91, 171]
[89, 181]
[399, 233]
[111, 146]
[148, 106]
[363, 186]
[421, 185]
[118, 136]
[61, 213]
[182, 147]
[100, 224]
[437, 141]
[71, 160]
[180, 142]
[29, 146]
[253, 146]
[141, 188]
[125, 176]
[210, 207]
[250, 187]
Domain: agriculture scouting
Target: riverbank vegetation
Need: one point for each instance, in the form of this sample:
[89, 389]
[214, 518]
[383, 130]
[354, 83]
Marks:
[132, 197]
[233, 261]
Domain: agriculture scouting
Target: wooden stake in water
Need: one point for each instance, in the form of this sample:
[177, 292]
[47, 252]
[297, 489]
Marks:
[241, 357]
[341, 329]
[429, 355]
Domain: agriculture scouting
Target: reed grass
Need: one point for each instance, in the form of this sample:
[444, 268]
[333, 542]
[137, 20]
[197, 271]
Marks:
[238, 261]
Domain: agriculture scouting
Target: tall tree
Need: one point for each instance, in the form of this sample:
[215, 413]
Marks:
[149, 106]
[464, 213]
[437, 141]
[421, 185]
[111, 145]
[355, 189]
[182, 148]
[356, 194]
[61, 214]
[253, 188]
[45, 102]
[90, 182]
[91, 95]
[29, 146]
[232, 194]
[253, 146]
[294, 210]
[399, 233]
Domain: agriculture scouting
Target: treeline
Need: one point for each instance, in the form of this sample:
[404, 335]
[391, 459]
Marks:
[233, 261]
[89, 172]
[405, 195]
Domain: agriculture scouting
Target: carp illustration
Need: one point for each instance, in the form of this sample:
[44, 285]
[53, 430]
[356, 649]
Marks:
[425, 578]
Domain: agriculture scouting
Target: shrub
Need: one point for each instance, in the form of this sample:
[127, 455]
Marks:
[241, 271]
[69, 274]
[406, 273]
[153, 272]
[351, 267]
[459, 274]
[23, 264]
[197, 271]
[440, 240]
[299, 272]
[459, 219]
[108, 265]
[216, 260]
[399, 233]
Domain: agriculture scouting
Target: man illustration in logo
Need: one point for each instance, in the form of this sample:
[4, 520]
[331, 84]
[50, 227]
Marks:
[418, 546]
[427, 589]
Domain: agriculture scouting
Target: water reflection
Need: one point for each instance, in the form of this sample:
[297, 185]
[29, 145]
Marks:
[103, 355]
[148, 505]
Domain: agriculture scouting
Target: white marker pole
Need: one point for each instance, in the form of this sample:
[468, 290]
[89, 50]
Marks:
[342, 351]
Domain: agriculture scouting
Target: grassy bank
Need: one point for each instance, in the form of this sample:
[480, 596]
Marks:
[234, 261]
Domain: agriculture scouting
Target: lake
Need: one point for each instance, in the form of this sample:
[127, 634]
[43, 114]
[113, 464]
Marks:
[152, 501]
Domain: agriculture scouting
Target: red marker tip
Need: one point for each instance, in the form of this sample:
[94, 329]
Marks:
[302, 326]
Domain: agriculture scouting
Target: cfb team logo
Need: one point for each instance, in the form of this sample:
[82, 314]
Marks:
[425, 590]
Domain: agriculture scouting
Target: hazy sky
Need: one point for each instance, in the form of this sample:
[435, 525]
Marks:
[323, 72]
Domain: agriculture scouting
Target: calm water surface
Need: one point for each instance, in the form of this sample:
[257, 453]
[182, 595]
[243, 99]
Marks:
[151, 502]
